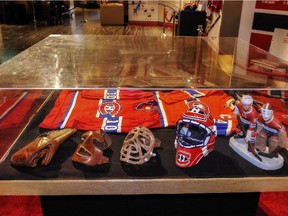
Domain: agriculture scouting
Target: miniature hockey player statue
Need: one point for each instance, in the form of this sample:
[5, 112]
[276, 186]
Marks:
[257, 152]
[245, 112]
[271, 133]
[247, 117]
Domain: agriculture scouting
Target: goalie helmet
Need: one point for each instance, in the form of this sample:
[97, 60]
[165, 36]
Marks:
[195, 135]
[138, 146]
[266, 112]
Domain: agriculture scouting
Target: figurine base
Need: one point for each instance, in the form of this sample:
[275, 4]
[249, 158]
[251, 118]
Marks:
[241, 147]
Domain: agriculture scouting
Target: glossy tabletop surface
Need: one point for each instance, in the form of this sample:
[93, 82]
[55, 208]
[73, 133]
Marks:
[109, 61]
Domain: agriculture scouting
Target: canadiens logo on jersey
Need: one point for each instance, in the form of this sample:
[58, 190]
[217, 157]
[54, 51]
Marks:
[109, 111]
[108, 108]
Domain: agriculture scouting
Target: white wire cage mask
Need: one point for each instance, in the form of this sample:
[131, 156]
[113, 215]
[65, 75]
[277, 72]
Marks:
[138, 146]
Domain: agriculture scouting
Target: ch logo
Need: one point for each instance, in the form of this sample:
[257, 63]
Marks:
[109, 108]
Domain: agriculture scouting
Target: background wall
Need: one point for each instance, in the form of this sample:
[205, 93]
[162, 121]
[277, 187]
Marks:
[246, 21]
[267, 16]
[231, 16]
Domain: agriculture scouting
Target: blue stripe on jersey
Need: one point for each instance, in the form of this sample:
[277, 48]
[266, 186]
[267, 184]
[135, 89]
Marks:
[111, 94]
[68, 111]
[163, 118]
[194, 93]
[108, 109]
[222, 127]
[270, 130]
[247, 122]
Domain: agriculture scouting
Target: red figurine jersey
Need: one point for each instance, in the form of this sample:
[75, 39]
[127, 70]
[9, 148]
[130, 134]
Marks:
[279, 104]
[274, 126]
[248, 118]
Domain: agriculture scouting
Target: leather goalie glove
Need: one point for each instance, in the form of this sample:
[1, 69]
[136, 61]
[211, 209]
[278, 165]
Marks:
[44, 147]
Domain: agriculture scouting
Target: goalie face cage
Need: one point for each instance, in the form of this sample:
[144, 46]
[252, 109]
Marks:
[267, 112]
[192, 134]
[138, 146]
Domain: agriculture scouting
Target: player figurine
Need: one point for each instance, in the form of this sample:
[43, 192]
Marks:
[271, 133]
[247, 117]
[250, 123]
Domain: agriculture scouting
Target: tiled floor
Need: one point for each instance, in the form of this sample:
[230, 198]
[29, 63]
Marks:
[16, 38]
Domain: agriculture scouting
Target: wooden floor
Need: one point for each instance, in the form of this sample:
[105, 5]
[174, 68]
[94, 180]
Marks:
[16, 38]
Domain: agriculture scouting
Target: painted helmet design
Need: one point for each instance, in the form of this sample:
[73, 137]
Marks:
[266, 112]
[195, 135]
[138, 146]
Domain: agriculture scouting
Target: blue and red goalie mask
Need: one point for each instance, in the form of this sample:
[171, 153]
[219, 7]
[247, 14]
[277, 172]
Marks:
[195, 135]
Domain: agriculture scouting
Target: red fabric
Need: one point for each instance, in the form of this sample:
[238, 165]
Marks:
[20, 206]
[17, 112]
[274, 203]
[13, 122]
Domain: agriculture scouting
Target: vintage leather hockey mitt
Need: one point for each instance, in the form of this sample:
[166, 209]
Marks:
[43, 147]
[90, 151]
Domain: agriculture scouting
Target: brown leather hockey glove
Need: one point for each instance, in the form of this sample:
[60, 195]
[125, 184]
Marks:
[44, 146]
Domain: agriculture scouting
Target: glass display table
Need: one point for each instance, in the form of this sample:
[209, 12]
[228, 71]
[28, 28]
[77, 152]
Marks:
[95, 62]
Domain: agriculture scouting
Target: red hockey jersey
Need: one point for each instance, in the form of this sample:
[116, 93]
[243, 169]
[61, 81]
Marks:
[248, 118]
[113, 110]
[117, 111]
[173, 104]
